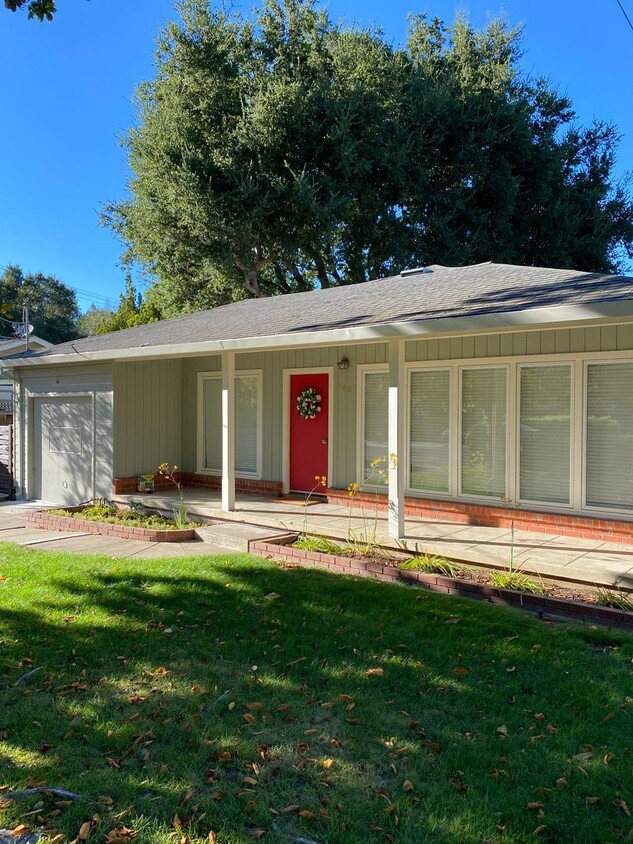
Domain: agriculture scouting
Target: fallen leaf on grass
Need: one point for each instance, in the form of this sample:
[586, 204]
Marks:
[407, 785]
[620, 804]
[582, 757]
[502, 731]
[374, 672]
[257, 833]
[307, 815]
[609, 758]
[561, 782]
[159, 672]
[271, 596]
[592, 801]
[539, 829]
[84, 831]
[460, 671]
[250, 719]
[121, 835]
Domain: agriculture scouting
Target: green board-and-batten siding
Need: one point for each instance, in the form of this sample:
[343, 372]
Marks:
[148, 412]
[556, 341]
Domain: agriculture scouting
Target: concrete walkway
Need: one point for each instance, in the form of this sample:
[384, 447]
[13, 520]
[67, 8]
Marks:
[566, 558]
[563, 557]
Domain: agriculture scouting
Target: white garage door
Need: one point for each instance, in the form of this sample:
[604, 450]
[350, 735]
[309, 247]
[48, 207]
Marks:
[63, 450]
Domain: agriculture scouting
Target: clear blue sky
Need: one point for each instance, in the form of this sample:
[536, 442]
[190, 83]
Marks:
[66, 98]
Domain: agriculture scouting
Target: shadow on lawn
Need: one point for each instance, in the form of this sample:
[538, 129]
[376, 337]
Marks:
[140, 668]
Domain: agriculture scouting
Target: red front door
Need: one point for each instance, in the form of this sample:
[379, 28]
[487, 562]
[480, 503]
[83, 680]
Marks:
[308, 437]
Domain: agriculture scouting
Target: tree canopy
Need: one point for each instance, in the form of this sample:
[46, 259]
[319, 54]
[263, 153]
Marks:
[283, 152]
[40, 9]
[53, 308]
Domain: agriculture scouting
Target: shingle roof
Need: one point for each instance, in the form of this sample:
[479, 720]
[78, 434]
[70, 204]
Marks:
[435, 293]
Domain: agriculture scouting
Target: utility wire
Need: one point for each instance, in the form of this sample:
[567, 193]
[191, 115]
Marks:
[95, 298]
[628, 19]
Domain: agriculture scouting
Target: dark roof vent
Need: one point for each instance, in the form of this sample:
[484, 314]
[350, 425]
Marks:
[415, 271]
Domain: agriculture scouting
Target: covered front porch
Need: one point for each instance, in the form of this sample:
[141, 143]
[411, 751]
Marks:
[592, 561]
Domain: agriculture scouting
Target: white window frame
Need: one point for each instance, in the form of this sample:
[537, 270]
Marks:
[595, 508]
[410, 369]
[579, 362]
[509, 445]
[361, 370]
[215, 375]
[570, 364]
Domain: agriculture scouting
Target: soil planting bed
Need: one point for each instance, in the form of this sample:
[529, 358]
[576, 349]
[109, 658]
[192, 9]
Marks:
[567, 600]
[47, 520]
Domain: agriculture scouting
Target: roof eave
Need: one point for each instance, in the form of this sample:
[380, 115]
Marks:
[529, 319]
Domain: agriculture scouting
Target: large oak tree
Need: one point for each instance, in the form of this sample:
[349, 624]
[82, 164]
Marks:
[274, 154]
[53, 310]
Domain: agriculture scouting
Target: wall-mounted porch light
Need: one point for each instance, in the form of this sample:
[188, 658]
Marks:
[343, 363]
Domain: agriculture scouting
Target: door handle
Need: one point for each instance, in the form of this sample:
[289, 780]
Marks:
[324, 441]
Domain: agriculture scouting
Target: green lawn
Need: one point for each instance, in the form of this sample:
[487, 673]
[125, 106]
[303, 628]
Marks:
[225, 694]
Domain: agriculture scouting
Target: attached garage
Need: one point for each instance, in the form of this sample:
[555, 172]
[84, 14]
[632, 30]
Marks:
[63, 433]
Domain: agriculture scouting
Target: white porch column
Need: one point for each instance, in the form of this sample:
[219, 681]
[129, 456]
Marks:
[228, 431]
[396, 448]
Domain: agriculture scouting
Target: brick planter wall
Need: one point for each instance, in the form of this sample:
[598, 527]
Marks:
[280, 548]
[44, 520]
[489, 515]
[127, 486]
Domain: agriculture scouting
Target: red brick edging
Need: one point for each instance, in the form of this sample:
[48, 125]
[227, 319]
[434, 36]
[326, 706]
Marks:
[490, 515]
[127, 486]
[280, 548]
[44, 520]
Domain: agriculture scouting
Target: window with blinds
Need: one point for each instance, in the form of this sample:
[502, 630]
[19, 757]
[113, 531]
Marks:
[247, 399]
[545, 433]
[375, 427]
[212, 424]
[483, 439]
[429, 426]
[609, 442]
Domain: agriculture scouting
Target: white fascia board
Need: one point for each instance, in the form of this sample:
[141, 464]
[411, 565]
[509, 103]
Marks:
[533, 319]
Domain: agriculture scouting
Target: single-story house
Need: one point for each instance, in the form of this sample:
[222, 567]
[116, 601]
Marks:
[444, 387]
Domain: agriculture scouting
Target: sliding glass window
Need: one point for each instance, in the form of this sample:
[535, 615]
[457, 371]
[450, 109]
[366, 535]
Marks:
[429, 427]
[545, 433]
[483, 436]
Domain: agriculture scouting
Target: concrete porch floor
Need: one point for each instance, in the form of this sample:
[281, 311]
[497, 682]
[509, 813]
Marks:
[568, 558]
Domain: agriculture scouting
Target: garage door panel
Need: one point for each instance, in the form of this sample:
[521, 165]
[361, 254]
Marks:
[63, 449]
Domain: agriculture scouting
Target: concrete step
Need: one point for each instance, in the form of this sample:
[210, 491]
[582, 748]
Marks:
[234, 535]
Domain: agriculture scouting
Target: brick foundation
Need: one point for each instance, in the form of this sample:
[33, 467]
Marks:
[487, 515]
[127, 486]
[44, 520]
[280, 548]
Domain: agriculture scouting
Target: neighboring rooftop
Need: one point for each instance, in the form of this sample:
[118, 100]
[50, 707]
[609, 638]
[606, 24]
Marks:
[430, 293]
